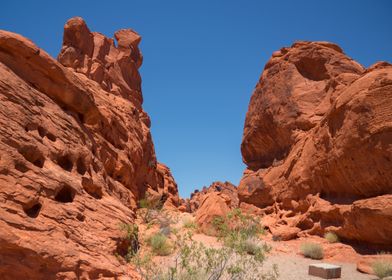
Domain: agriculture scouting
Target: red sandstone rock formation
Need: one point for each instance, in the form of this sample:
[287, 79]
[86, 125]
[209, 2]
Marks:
[76, 154]
[318, 145]
[166, 192]
[366, 262]
[216, 200]
[225, 188]
[214, 204]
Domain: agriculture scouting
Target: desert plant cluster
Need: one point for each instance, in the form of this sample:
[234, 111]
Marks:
[331, 237]
[128, 244]
[240, 232]
[159, 244]
[240, 253]
[382, 268]
[312, 250]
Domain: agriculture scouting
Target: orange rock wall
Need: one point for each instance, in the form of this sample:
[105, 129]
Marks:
[76, 154]
[318, 145]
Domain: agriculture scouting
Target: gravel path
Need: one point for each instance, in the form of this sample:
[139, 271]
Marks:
[294, 267]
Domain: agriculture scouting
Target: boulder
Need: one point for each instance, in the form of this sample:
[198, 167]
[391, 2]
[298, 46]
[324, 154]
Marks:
[226, 188]
[213, 205]
[284, 233]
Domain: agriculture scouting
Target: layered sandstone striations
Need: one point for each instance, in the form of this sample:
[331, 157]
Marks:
[76, 154]
[318, 144]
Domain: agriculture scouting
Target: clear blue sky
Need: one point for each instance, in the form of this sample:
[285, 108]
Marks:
[202, 60]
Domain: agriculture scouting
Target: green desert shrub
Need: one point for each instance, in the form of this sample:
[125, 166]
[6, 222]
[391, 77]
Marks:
[241, 256]
[331, 237]
[189, 223]
[382, 268]
[128, 244]
[159, 244]
[236, 228]
[144, 203]
[195, 261]
[253, 246]
[312, 250]
[151, 202]
[150, 206]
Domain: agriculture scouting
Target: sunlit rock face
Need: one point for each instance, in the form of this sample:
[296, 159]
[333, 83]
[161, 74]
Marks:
[318, 143]
[211, 202]
[76, 154]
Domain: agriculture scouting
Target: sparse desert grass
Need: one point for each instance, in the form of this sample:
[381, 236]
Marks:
[312, 250]
[253, 246]
[160, 244]
[189, 223]
[144, 203]
[195, 261]
[382, 268]
[241, 256]
[331, 237]
[151, 206]
[236, 228]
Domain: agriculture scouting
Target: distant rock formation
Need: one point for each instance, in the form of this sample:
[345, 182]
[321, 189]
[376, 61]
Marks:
[198, 196]
[318, 144]
[76, 154]
[213, 201]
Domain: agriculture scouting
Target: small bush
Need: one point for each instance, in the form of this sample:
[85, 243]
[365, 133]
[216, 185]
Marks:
[331, 237]
[312, 250]
[236, 228]
[128, 245]
[175, 230]
[151, 206]
[382, 268]
[252, 246]
[189, 223]
[160, 244]
[144, 203]
[150, 202]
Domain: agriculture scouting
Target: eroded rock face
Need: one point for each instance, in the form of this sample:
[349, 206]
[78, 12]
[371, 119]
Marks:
[294, 92]
[166, 192]
[212, 205]
[318, 143]
[115, 69]
[76, 154]
[211, 202]
[225, 188]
